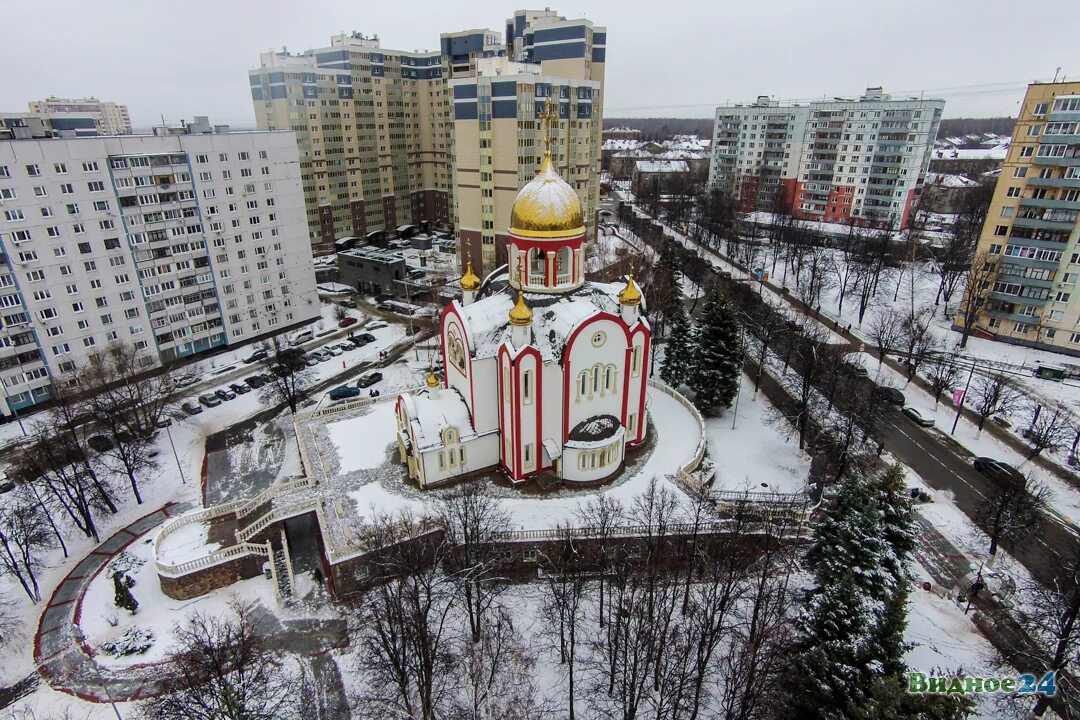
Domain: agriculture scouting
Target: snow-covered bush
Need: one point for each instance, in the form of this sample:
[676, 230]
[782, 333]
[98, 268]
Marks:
[135, 641]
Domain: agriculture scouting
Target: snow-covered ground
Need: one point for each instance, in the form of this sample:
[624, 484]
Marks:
[157, 612]
[755, 455]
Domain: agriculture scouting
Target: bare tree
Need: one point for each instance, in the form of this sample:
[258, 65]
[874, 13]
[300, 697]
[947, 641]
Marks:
[290, 373]
[942, 374]
[340, 312]
[1013, 510]
[994, 394]
[57, 466]
[918, 340]
[222, 670]
[817, 276]
[976, 293]
[887, 331]
[10, 625]
[565, 579]
[1050, 431]
[472, 520]
[602, 515]
[1052, 611]
[497, 675]
[407, 623]
[24, 536]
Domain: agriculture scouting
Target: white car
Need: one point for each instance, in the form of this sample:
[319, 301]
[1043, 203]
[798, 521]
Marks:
[332, 349]
[919, 417]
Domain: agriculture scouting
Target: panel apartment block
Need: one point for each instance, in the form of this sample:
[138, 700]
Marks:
[1032, 227]
[833, 161]
[389, 137]
[175, 244]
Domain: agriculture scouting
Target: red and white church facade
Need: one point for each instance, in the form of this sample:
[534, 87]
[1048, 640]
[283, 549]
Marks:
[543, 372]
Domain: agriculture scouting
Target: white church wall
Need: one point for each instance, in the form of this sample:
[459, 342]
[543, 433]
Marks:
[553, 403]
[486, 394]
[585, 354]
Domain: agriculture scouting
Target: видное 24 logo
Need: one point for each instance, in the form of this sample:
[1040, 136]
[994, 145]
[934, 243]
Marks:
[1026, 684]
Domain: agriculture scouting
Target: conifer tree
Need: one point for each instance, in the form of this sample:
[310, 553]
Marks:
[122, 596]
[718, 365]
[679, 350]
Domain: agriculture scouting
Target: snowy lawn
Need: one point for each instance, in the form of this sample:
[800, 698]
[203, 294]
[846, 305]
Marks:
[187, 542]
[157, 612]
[755, 455]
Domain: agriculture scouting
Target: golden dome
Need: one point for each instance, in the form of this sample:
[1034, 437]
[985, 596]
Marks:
[631, 294]
[432, 380]
[520, 314]
[547, 207]
[469, 281]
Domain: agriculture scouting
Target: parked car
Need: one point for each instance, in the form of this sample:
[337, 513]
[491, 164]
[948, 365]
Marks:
[344, 391]
[349, 303]
[210, 400]
[311, 361]
[321, 355]
[855, 370]
[191, 408]
[376, 325]
[369, 379]
[890, 395]
[187, 380]
[239, 389]
[225, 394]
[6, 487]
[332, 349]
[255, 382]
[362, 339]
[346, 322]
[163, 423]
[256, 356]
[301, 337]
[100, 443]
[997, 470]
[345, 347]
[918, 417]
[386, 307]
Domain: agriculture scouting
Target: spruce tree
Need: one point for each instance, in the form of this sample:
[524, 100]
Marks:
[122, 596]
[679, 349]
[718, 365]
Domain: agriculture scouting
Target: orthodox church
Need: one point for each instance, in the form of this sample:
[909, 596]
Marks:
[543, 372]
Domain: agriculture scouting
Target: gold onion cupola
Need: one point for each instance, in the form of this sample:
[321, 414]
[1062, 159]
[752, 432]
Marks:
[631, 294]
[469, 281]
[521, 314]
[547, 207]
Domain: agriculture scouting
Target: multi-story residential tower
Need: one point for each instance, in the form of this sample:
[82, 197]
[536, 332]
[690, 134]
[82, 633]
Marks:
[1031, 230]
[496, 134]
[175, 243]
[834, 161]
[389, 137]
[111, 118]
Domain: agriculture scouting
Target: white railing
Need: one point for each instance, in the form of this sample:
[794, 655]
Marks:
[194, 516]
[564, 279]
[699, 452]
[361, 402]
[215, 558]
[276, 490]
[275, 515]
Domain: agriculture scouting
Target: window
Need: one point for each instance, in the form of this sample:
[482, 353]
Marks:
[1027, 151]
[1001, 230]
[89, 341]
[14, 215]
[1007, 212]
[102, 206]
[1020, 172]
[95, 186]
[1021, 327]
[8, 194]
[527, 457]
[995, 249]
[33, 170]
[527, 387]
[91, 166]
[1039, 110]
[1013, 191]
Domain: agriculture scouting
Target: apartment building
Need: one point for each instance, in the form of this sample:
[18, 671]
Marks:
[1031, 229]
[176, 243]
[389, 137]
[836, 160]
[105, 118]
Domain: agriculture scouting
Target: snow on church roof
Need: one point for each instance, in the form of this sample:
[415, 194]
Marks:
[431, 413]
[554, 316]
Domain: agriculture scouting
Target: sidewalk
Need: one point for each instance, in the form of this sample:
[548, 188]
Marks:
[69, 666]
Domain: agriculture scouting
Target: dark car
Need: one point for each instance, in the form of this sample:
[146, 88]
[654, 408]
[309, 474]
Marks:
[362, 339]
[225, 394]
[256, 356]
[855, 370]
[346, 322]
[239, 389]
[349, 303]
[99, 443]
[210, 400]
[890, 395]
[997, 470]
[255, 381]
[163, 423]
[6, 487]
[191, 408]
[344, 391]
[369, 379]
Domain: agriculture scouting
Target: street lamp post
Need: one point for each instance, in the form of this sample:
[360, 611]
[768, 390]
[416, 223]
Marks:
[176, 457]
[80, 637]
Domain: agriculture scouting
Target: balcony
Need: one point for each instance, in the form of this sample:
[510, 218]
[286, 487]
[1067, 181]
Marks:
[1052, 204]
[1041, 224]
[1060, 139]
[1054, 182]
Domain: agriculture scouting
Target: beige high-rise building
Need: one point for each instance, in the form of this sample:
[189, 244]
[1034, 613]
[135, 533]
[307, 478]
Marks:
[66, 113]
[389, 138]
[1031, 230]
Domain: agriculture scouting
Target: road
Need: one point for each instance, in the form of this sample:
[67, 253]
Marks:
[942, 469]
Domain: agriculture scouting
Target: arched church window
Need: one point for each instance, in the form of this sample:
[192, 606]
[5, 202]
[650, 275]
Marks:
[596, 378]
[536, 263]
[583, 383]
[562, 263]
[609, 378]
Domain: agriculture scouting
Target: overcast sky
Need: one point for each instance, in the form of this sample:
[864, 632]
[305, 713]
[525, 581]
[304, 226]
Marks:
[664, 58]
